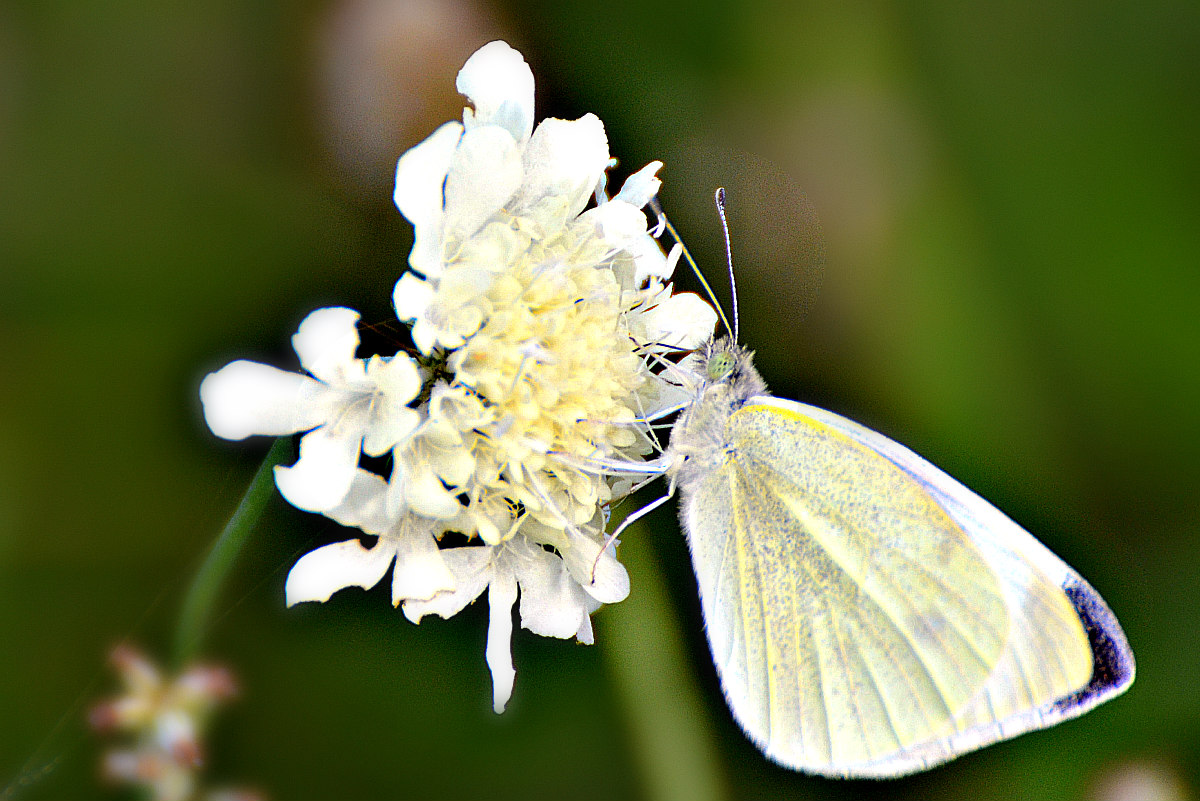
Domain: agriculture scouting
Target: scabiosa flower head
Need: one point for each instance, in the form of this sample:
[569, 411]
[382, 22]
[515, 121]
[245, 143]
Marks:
[540, 314]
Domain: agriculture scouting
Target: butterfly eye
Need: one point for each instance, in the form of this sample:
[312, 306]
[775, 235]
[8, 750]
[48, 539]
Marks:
[719, 366]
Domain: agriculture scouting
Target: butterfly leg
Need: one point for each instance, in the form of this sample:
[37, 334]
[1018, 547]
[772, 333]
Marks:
[629, 520]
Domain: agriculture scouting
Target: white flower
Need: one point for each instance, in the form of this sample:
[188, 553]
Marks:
[547, 316]
[352, 406]
[543, 327]
[547, 313]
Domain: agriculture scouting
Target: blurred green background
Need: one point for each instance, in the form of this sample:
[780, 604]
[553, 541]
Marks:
[1006, 196]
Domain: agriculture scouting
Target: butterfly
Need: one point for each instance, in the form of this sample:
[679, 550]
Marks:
[869, 616]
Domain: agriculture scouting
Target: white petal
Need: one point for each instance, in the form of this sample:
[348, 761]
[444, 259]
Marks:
[397, 382]
[683, 321]
[564, 158]
[421, 571]
[483, 177]
[411, 297]
[471, 568]
[551, 602]
[455, 464]
[648, 259]
[394, 502]
[396, 377]
[421, 173]
[326, 342]
[364, 505]
[585, 634]
[425, 494]
[321, 573]
[624, 226]
[245, 398]
[389, 426]
[611, 583]
[502, 594]
[499, 84]
[420, 179]
[616, 221]
[321, 478]
[642, 186]
[425, 336]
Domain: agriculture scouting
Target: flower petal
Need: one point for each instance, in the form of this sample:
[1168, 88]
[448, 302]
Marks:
[648, 259]
[389, 425]
[321, 573]
[585, 634]
[624, 225]
[551, 602]
[683, 321]
[502, 594]
[485, 173]
[499, 84]
[663, 397]
[326, 342]
[564, 160]
[420, 179]
[327, 466]
[421, 571]
[397, 382]
[245, 398]
[425, 494]
[364, 505]
[411, 297]
[611, 584]
[642, 186]
[471, 567]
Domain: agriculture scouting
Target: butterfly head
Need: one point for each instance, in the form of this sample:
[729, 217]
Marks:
[728, 371]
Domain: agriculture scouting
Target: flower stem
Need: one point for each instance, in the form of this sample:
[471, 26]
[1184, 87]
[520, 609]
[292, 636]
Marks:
[671, 734]
[194, 619]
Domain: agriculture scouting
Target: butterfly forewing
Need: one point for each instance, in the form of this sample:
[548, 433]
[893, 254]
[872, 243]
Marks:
[856, 625]
[1066, 652]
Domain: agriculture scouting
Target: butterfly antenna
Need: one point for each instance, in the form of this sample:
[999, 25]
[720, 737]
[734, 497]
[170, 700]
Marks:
[719, 197]
[687, 254]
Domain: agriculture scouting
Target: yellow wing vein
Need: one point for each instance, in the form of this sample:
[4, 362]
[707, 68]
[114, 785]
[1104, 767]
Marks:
[883, 700]
[1051, 611]
[740, 529]
[795, 616]
[820, 666]
[799, 491]
[841, 654]
[900, 595]
[1024, 676]
[909, 681]
[915, 565]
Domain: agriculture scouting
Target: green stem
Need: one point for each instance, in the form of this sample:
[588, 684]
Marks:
[671, 733]
[194, 619]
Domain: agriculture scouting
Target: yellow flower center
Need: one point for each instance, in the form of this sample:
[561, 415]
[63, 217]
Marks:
[554, 366]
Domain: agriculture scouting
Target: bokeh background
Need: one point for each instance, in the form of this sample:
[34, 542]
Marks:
[974, 227]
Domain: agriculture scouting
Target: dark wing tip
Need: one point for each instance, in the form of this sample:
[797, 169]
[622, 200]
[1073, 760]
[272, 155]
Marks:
[1112, 659]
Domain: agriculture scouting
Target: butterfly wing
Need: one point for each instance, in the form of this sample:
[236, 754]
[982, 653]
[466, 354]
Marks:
[868, 615]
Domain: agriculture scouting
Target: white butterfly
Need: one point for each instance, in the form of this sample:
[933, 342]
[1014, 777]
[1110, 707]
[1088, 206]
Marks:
[868, 615]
